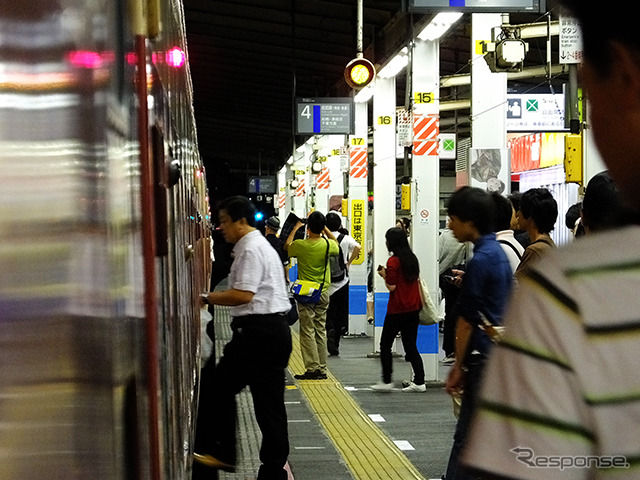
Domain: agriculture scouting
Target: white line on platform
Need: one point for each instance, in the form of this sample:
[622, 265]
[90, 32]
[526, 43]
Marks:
[376, 417]
[298, 421]
[308, 448]
[403, 445]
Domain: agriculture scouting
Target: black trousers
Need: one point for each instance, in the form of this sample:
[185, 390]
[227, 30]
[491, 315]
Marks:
[256, 357]
[407, 325]
[337, 318]
[472, 383]
[450, 293]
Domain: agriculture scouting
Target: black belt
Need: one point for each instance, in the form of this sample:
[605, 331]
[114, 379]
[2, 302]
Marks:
[243, 321]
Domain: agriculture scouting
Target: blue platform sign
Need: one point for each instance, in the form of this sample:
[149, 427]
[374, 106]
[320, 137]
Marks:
[325, 116]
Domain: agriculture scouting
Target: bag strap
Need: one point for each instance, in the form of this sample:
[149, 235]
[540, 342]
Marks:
[326, 260]
[504, 242]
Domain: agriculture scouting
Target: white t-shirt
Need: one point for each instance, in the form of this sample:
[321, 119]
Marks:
[348, 244]
[257, 268]
[511, 249]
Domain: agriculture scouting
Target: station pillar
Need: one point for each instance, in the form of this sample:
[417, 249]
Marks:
[384, 190]
[301, 174]
[488, 114]
[356, 219]
[283, 200]
[425, 199]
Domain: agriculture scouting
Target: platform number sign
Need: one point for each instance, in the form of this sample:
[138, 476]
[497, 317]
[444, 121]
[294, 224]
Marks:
[424, 97]
[325, 116]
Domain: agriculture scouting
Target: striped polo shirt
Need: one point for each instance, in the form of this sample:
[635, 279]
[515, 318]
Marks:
[561, 394]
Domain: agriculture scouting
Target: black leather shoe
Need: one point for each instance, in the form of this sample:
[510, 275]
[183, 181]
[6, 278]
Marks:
[317, 375]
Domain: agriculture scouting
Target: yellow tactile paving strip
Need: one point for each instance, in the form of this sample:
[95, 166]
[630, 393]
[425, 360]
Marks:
[367, 451]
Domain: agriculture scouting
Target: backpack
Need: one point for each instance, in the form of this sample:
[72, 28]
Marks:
[336, 263]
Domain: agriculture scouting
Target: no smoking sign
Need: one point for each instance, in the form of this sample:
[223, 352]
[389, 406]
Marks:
[424, 217]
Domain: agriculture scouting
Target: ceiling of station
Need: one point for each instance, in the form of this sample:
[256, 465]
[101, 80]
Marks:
[249, 59]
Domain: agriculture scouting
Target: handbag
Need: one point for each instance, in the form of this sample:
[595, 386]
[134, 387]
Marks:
[308, 291]
[429, 314]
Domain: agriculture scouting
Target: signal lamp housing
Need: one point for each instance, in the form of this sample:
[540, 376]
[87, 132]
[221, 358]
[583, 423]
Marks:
[359, 72]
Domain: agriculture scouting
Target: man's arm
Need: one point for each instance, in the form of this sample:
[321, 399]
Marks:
[354, 254]
[292, 235]
[455, 379]
[329, 235]
[228, 298]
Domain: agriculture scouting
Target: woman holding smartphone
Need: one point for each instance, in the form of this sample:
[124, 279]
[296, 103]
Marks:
[401, 278]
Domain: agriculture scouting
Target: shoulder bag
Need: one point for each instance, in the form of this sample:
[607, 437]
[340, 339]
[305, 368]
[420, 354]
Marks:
[308, 291]
[429, 314]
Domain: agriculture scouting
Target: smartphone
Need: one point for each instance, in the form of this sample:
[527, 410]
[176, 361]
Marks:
[380, 267]
[450, 278]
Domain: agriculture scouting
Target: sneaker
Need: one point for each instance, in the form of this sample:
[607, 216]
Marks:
[382, 387]
[415, 388]
[449, 359]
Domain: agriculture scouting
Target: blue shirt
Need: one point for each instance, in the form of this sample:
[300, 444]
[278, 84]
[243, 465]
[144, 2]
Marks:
[485, 288]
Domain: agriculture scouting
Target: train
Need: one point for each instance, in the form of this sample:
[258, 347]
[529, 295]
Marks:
[104, 241]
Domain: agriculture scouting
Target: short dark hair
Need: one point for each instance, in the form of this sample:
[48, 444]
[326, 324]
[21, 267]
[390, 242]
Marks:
[333, 221]
[539, 205]
[475, 205]
[316, 222]
[572, 215]
[239, 207]
[504, 211]
[514, 198]
[603, 207]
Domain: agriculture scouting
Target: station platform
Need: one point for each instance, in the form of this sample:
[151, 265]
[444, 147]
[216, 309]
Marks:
[340, 429]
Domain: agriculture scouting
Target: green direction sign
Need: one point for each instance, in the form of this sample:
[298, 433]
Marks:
[449, 145]
[532, 105]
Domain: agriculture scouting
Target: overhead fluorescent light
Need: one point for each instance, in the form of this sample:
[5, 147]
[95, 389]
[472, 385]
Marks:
[439, 25]
[396, 64]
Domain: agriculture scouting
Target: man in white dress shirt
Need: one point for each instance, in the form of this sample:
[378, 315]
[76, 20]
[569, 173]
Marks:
[257, 354]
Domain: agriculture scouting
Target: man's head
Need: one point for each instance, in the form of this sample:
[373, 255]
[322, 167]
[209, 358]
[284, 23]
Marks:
[471, 214]
[610, 76]
[514, 198]
[504, 212]
[603, 207]
[537, 205]
[316, 222]
[272, 225]
[333, 221]
[237, 218]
